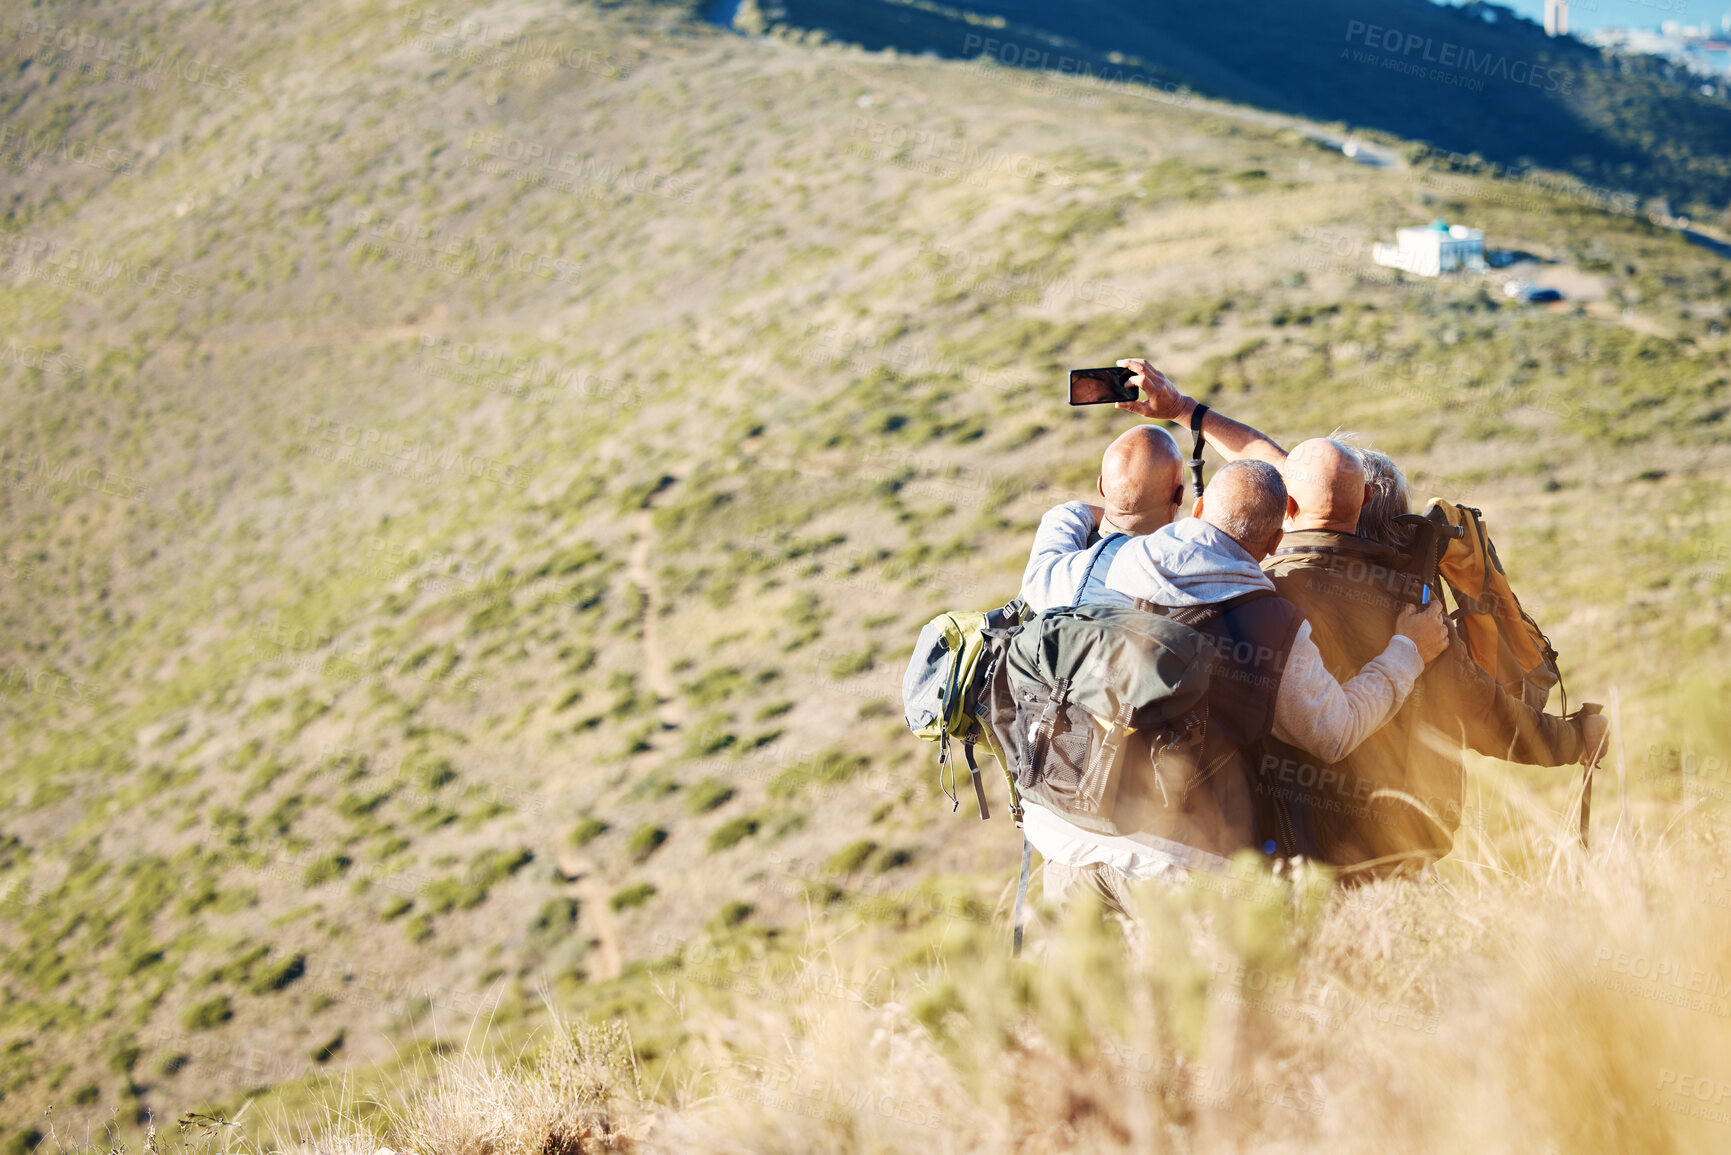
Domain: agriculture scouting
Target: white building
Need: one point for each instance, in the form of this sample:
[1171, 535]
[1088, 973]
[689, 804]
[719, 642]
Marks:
[1432, 249]
[1556, 17]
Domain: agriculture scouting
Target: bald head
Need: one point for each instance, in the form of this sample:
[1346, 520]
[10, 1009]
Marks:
[1246, 501]
[1142, 479]
[1325, 487]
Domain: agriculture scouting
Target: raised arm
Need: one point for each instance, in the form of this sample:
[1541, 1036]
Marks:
[1161, 400]
[1056, 561]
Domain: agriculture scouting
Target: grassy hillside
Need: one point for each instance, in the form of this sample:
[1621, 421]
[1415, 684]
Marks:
[470, 484]
[1465, 79]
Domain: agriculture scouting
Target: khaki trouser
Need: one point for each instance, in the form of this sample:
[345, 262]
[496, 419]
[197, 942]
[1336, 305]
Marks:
[1063, 884]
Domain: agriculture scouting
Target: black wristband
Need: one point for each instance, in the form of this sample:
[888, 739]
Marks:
[1196, 416]
[1197, 444]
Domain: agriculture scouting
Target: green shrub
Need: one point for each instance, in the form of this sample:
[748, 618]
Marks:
[578, 658]
[631, 896]
[826, 767]
[732, 914]
[732, 832]
[210, 1013]
[556, 919]
[275, 978]
[470, 890]
[435, 775]
[22, 1142]
[432, 816]
[851, 857]
[396, 908]
[239, 968]
[86, 1095]
[587, 830]
[706, 795]
[850, 665]
[778, 824]
[637, 739]
[715, 687]
[891, 858]
[645, 840]
[123, 1054]
[709, 736]
[357, 806]
[324, 868]
[655, 784]
[326, 1051]
[493, 866]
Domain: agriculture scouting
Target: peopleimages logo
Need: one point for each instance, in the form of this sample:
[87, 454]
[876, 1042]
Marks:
[76, 39]
[1448, 55]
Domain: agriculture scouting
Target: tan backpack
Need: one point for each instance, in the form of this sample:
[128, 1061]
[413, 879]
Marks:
[1502, 637]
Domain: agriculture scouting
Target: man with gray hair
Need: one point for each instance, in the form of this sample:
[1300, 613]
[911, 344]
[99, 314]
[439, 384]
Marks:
[1269, 679]
[1393, 804]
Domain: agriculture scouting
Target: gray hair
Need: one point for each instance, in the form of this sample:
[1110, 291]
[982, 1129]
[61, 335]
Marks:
[1251, 501]
[1388, 498]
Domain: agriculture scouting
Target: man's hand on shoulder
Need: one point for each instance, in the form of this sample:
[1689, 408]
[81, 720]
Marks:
[1160, 400]
[1427, 628]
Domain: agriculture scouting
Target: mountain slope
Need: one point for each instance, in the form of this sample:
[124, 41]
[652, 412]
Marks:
[470, 484]
[1467, 80]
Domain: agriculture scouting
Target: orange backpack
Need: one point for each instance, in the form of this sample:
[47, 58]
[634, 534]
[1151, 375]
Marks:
[1502, 638]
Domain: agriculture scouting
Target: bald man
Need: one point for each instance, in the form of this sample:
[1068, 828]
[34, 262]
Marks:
[1141, 480]
[1325, 487]
[1141, 486]
[1392, 804]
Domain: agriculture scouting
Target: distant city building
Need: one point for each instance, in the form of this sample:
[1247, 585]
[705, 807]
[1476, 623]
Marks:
[1556, 17]
[1696, 48]
[1433, 249]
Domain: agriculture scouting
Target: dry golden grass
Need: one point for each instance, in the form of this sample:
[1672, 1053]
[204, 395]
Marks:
[1575, 1002]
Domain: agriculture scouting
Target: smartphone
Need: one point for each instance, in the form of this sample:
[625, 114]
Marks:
[1101, 386]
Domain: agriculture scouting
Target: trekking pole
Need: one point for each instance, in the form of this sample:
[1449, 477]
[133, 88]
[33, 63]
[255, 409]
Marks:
[1587, 774]
[1622, 762]
[1022, 898]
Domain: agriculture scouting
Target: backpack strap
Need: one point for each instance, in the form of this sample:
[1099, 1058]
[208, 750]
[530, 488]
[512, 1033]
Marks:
[1105, 551]
[974, 772]
[1093, 784]
[1199, 617]
[1034, 751]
